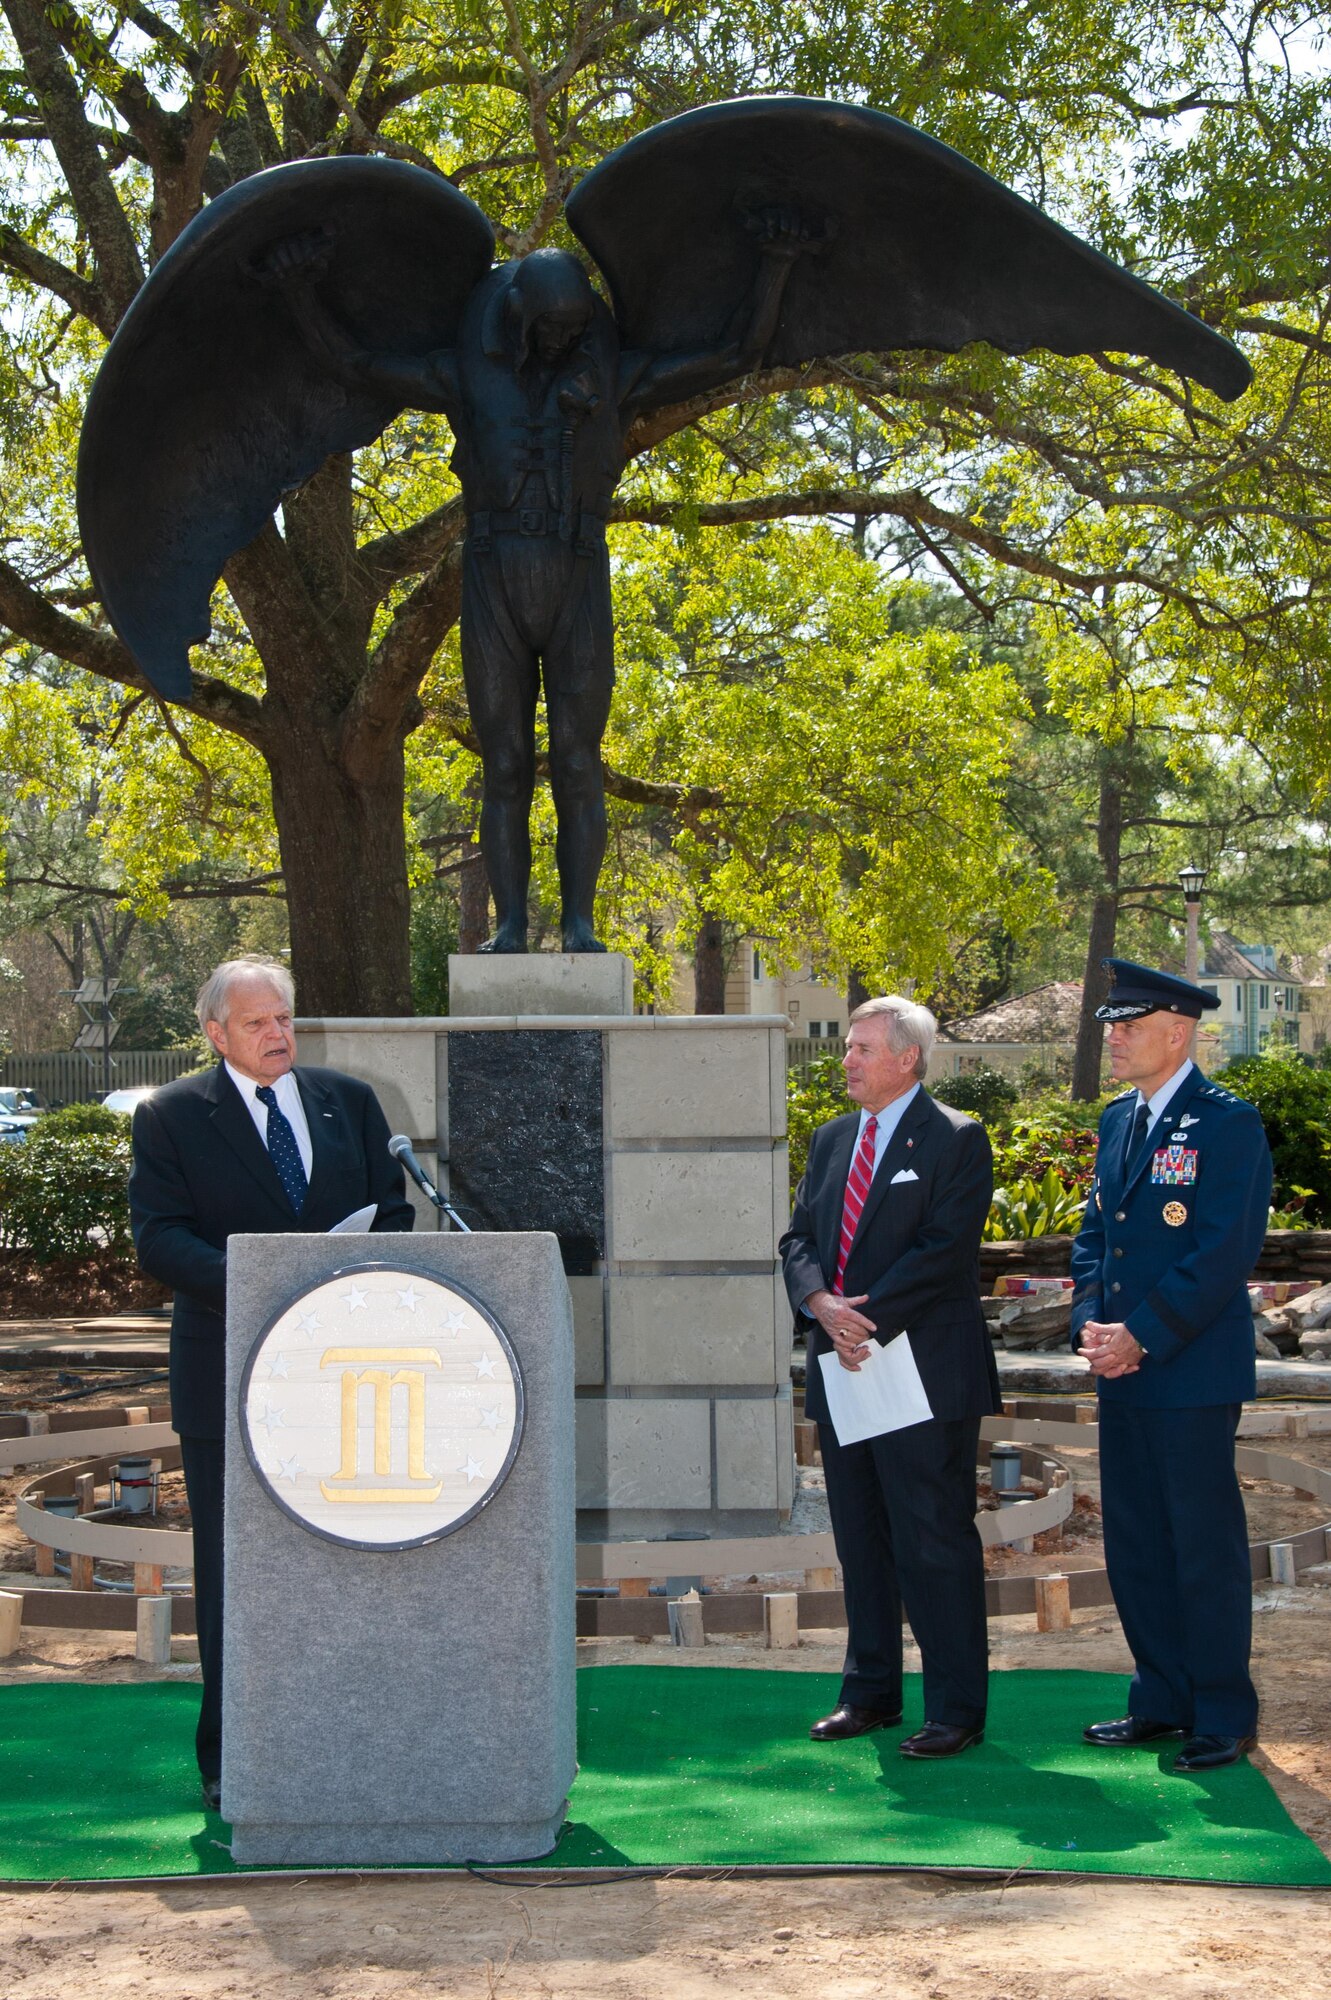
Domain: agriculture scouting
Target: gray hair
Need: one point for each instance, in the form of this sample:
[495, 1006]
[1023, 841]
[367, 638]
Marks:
[907, 1024]
[255, 968]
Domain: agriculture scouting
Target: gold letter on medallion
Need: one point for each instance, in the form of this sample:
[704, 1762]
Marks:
[355, 1378]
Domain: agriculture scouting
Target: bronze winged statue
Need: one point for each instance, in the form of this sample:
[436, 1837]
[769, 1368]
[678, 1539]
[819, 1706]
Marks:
[308, 306]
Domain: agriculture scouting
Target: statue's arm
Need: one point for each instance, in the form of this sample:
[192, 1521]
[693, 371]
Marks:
[648, 381]
[423, 382]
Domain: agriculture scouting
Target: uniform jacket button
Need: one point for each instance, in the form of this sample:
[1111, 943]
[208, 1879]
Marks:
[1116, 1287]
[1121, 1216]
[1117, 1252]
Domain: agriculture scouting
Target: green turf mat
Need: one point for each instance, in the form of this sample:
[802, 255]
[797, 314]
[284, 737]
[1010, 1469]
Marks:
[696, 1766]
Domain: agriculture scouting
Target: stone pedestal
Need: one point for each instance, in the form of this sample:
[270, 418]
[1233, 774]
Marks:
[654, 1147]
[399, 1650]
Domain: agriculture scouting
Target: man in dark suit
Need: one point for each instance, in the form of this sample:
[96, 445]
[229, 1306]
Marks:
[253, 1147]
[884, 1245]
[1175, 1221]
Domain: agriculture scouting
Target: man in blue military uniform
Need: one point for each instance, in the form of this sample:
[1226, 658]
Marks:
[1173, 1227]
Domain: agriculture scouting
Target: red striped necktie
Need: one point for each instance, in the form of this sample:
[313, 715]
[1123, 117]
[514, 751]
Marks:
[857, 1189]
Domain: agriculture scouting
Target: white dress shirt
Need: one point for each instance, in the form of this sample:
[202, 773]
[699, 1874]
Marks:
[888, 1118]
[1157, 1102]
[287, 1092]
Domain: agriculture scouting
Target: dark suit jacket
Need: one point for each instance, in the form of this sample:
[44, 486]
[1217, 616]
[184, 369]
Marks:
[916, 1251]
[1171, 1257]
[202, 1174]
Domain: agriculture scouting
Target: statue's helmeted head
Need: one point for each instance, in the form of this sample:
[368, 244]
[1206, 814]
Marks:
[549, 305]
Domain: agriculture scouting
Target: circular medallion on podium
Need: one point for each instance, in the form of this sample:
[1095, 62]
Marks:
[382, 1409]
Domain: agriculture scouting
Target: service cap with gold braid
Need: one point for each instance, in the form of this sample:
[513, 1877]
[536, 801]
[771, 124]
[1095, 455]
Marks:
[1137, 990]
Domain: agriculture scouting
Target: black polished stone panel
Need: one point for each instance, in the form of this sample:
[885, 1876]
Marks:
[524, 1135]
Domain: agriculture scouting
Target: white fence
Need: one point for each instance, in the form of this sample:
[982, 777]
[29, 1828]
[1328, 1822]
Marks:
[67, 1076]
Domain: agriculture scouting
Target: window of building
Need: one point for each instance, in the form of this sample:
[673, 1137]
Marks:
[1263, 998]
[757, 965]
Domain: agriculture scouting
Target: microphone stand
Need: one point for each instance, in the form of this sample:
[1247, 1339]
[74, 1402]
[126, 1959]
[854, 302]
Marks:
[402, 1152]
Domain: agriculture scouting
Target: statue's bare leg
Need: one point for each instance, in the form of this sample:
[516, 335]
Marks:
[577, 724]
[502, 680]
[579, 676]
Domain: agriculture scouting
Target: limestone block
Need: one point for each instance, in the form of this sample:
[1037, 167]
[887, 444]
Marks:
[785, 1450]
[691, 1206]
[777, 1081]
[746, 1474]
[690, 1330]
[396, 1059]
[652, 1452]
[540, 982]
[690, 1082]
[588, 1295]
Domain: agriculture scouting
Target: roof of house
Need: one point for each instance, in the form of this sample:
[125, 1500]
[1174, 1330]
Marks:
[1225, 959]
[1045, 1014]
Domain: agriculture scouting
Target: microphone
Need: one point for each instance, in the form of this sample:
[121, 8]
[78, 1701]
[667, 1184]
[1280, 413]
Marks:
[401, 1148]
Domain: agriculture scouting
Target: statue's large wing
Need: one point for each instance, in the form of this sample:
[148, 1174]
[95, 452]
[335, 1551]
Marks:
[925, 250]
[208, 406]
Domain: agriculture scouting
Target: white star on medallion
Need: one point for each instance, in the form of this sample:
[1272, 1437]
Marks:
[289, 1468]
[271, 1420]
[485, 1366]
[472, 1470]
[453, 1323]
[407, 1299]
[310, 1324]
[278, 1366]
[490, 1418]
[354, 1300]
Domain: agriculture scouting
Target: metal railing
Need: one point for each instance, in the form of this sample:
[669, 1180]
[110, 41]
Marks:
[68, 1076]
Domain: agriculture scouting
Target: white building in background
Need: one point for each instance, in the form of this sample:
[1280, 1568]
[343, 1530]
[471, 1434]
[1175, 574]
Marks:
[817, 1012]
[1258, 1002]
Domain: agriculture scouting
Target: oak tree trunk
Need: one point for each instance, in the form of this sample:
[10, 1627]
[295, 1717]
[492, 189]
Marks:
[709, 968]
[1089, 1056]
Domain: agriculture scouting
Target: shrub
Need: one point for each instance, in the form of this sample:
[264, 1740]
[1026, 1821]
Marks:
[75, 1119]
[986, 1093]
[1035, 1208]
[1294, 1101]
[66, 1196]
[813, 1095]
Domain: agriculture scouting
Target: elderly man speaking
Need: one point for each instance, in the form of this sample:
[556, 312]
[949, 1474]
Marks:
[252, 1147]
[884, 1246]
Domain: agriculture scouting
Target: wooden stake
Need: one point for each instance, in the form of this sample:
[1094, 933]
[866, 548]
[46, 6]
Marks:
[85, 1491]
[11, 1619]
[781, 1618]
[685, 1614]
[45, 1555]
[147, 1579]
[820, 1579]
[1053, 1603]
[80, 1573]
[153, 1641]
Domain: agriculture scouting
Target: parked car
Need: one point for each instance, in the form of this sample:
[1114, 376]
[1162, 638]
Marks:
[19, 1108]
[126, 1099]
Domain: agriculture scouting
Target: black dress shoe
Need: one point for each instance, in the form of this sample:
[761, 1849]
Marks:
[1208, 1753]
[849, 1720]
[212, 1794]
[1128, 1732]
[940, 1739]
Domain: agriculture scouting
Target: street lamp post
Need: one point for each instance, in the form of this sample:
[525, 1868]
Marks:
[1192, 879]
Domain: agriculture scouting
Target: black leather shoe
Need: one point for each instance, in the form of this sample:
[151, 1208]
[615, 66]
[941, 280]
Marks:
[940, 1739]
[1128, 1732]
[1208, 1753]
[850, 1720]
[212, 1794]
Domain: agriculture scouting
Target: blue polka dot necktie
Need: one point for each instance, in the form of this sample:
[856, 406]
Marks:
[282, 1148]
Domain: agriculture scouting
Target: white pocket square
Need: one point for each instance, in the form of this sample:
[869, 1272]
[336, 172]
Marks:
[904, 1174]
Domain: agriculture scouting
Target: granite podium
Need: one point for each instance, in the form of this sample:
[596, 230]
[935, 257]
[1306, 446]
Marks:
[399, 1649]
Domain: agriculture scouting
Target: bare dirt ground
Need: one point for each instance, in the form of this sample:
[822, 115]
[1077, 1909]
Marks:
[819, 1938]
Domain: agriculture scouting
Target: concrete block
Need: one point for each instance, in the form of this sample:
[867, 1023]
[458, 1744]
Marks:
[413, 1703]
[690, 1330]
[777, 1081]
[746, 1453]
[540, 982]
[716, 1207]
[644, 1452]
[588, 1296]
[689, 1083]
[396, 1058]
[685, 1615]
[784, 1412]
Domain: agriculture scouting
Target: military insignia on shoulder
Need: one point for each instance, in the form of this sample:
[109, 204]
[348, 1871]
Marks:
[1175, 1214]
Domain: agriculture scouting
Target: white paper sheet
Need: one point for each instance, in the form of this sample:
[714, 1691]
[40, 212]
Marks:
[357, 1222]
[884, 1394]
